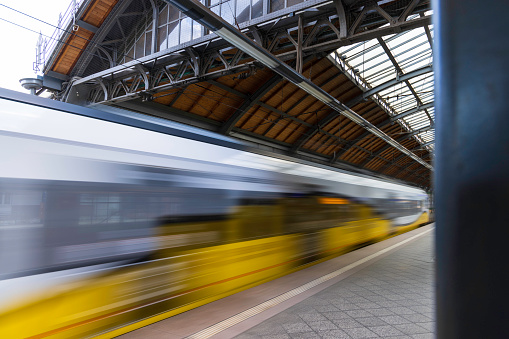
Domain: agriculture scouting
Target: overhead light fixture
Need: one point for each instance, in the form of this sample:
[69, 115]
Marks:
[354, 117]
[314, 92]
[246, 47]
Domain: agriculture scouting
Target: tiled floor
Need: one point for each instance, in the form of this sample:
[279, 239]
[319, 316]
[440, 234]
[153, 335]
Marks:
[391, 298]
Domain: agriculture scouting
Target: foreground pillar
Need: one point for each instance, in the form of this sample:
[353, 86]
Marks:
[472, 168]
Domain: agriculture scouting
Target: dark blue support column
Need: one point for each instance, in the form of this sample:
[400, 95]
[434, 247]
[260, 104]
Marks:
[472, 168]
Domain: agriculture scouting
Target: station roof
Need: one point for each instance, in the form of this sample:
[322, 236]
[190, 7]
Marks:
[382, 70]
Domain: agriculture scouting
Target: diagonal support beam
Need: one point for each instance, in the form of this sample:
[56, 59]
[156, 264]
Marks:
[228, 89]
[343, 25]
[413, 111]
[408, 10]
[248, 103]
[423, 146]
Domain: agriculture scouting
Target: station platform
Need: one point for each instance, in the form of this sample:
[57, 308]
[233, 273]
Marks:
[384, 290]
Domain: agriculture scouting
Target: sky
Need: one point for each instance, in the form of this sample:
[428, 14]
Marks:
[18, 44]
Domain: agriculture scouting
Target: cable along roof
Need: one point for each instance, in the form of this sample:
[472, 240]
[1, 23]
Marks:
[409, 100]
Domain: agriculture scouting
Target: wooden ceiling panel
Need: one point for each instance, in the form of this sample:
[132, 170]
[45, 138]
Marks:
[71, 52]
[289, 128]
[251, 83]
[332, 147]
[266, 123]
[246, 116]
[276, 128]
[276, 96]
[165, 98]
[98, 11]
[295, 135]
[184, 103]
[254, 120]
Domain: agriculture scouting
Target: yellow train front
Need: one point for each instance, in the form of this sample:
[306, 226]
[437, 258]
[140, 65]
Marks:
[102, 234]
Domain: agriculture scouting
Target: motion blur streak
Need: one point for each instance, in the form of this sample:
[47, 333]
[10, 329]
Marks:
[110, 221]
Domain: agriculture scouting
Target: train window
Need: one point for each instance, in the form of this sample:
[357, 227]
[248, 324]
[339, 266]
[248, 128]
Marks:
[5, 199]
[100, 208]
[122, 207]
[21, 207]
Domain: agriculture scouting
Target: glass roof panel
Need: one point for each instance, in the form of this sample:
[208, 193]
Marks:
[411, 51]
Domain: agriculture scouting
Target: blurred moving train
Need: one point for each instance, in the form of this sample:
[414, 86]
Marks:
[112, 221]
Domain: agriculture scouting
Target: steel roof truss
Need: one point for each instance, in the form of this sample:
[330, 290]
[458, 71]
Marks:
[311, 48]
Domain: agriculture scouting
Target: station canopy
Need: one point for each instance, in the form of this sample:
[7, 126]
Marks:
[375, 57]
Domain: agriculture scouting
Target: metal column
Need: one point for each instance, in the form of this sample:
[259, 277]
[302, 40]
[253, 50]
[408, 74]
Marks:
[472, 168]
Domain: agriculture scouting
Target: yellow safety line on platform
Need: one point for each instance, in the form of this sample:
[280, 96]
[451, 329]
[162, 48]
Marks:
[234, 320]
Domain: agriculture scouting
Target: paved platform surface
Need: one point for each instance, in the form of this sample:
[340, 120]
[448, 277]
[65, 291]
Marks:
[385, 290]
[391, 298]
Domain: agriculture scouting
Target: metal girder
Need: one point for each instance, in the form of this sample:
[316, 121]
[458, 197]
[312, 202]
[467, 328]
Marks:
[380, 125]
[87, 26]
[340, 9]
[413, 111]
[315, 129]
[329, 45]
[171, 113]
[403, 16]
[419, 131]
[326, 35]
[377, 153]
[383, 124]
[423, 146]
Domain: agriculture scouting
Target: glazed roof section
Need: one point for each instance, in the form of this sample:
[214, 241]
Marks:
[377, 61]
